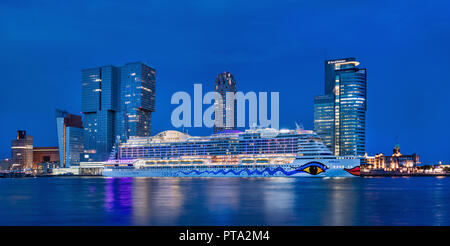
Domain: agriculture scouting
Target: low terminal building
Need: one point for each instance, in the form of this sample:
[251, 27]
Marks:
[46, 168]
[85, 169]
[44, 155]
[66, 171]
[91, 168]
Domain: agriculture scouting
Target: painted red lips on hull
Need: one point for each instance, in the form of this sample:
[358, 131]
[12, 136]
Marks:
[354, 171]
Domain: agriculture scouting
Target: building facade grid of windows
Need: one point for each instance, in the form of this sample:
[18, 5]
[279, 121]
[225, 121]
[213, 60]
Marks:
[225, 84]
[340, 114]
[116, 101]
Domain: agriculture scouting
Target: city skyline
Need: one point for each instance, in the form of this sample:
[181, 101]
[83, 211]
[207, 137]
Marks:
[400, 103]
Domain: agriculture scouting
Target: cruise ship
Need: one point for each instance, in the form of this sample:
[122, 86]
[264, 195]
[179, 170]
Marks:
[231, 153]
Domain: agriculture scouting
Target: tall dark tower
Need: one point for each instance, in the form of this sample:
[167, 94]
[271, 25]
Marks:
[330, 73]
[224, 83]
[116, 101]
[340, 114]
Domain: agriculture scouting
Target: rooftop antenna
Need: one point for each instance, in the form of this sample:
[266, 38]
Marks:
[298, 127]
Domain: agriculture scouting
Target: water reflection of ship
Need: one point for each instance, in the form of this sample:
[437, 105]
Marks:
[160, 199]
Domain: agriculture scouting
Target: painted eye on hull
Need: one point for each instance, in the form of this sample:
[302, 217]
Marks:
[313, 168]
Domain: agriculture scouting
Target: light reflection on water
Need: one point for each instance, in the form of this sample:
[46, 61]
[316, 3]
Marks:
[224, 201]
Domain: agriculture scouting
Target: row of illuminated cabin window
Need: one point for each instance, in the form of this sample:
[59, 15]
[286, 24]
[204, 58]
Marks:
[155, 152]
[179, 152]
[230, 145]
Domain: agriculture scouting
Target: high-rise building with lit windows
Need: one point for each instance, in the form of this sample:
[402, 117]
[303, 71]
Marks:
[343, 129]
[22, 151]
[324, 119]
[70, 138]
[223, 113]
[100, 106]
[116, 101]
[330, 73]
[137, 100]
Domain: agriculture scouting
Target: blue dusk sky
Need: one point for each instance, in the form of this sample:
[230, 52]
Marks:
[267, 45]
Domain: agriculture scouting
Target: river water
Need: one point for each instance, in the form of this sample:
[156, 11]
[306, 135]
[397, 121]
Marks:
[225, 201]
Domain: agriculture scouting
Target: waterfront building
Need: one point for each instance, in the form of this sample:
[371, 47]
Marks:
[443, 167]
[116, 101]
[70, 138]
[75, 170]
[345, 91]
[22, 151]
[5, 164]
[44, 154]
[47, 167]
[225, 83]
[394, 162]
[91, 168]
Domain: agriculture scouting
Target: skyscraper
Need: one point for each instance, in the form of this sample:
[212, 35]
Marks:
[345, 92]
[324, 119]
[22, 151]
[70, 138]
[116, 101]
[137, 100]
[224, 83]
[350, 109]
[330, 73]
[100, 105]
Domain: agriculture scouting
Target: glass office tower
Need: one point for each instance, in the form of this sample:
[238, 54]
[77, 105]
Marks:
[350, 110]
[224, 83]
[116, 101]
[340, 114]
[100, 105]
[324, 119]
[330, 73]
[70, 138]
[137, 100]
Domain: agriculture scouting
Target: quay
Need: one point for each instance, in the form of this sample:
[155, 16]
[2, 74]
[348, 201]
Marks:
[404, 175]
[14, 174]
[381, 173]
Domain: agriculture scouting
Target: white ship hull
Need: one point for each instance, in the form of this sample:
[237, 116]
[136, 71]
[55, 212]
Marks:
[299, 168]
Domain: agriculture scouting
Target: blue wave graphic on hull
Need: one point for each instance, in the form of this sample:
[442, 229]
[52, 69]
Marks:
[303, 169]
[249, 172]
